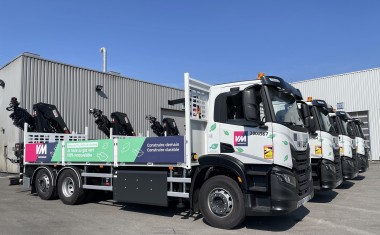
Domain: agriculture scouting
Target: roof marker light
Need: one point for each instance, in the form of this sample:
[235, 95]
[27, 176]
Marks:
[260, 75]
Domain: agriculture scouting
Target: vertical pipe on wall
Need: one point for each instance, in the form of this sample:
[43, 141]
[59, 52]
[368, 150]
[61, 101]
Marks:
[104, 52]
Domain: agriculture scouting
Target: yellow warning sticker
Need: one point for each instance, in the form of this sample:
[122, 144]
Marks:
[268, 152]
[318, 150]
[340, 150]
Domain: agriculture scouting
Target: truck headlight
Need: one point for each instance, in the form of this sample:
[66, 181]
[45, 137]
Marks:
[285, 178]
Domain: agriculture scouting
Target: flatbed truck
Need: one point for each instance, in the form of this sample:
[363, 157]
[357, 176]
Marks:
[245, 152]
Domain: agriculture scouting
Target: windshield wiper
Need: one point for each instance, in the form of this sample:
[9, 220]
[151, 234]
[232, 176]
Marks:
[290, 123]
[332, 131]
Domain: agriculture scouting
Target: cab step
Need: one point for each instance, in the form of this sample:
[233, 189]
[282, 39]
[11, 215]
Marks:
[257, 172]
[258, 189]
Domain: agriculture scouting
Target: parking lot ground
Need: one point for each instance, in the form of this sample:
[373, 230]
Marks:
[6, 175]
[352, 208]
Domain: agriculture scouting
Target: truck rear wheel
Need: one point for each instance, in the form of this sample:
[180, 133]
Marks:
[44, 185]
[68, 188]
[221, 202]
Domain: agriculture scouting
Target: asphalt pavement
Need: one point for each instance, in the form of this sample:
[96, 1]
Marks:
[352, 208]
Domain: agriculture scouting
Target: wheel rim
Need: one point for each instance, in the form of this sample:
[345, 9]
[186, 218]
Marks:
[220, 202]
[68, 187]
[44, 183]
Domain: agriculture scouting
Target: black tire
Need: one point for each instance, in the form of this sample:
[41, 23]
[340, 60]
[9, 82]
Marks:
[212, 193]
[68, 188]
[44, 185]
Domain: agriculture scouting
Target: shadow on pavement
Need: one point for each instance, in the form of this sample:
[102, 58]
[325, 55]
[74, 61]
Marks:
[170, 211]
[345, 185]
[324, 196]
[276, 223]
[359, 177]
[155, 210]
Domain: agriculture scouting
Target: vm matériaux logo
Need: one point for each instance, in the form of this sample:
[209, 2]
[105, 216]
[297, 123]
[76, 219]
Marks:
[41, 149]
[241, 138]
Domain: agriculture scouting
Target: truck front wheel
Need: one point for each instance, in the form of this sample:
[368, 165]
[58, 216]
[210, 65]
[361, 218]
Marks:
[221, 202]
[68, 188]
[44, 185]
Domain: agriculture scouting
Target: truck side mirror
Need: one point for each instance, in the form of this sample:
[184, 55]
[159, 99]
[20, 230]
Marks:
[308, 120]
[250, 107]
[312, 125]
[305, 111]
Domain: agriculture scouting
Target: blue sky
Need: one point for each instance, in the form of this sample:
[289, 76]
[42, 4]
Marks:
[215, 40]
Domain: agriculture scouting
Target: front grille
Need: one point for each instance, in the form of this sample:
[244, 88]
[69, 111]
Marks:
[338, 164]
[366, 157]
[302, 168]
[355, 159]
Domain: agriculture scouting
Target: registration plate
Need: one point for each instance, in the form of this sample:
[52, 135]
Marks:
[303, 200]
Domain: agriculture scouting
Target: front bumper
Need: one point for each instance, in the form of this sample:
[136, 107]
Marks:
[329, 177]
[349, 168]
[283, 197]
[327, 174]
[362, 163]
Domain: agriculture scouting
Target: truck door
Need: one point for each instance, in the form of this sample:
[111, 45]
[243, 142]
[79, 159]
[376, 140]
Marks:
[248, 140]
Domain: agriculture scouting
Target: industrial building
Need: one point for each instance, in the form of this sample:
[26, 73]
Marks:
[356, 93]
[74, 90]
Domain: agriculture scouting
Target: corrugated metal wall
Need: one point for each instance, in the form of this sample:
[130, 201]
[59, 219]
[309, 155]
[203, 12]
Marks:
[358, 90]
[72, 90]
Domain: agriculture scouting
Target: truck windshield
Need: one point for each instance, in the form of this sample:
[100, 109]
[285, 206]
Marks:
[347, 127]
[285, 107]
[359, 131]
[324, 118]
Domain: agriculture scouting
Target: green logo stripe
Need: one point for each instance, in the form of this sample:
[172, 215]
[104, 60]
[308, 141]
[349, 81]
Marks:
[89, 151]
[129, 148]
[57, 156]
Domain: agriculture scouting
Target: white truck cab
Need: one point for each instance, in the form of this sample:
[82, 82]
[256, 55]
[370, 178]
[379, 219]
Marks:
[347, 146]
[324, 147]
[360, 145]
[254, 127]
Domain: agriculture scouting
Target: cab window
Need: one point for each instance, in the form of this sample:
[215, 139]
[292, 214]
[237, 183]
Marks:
[229, 107]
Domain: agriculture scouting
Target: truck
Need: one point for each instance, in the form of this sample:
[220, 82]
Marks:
[361, 148]
[324, 146]
[347, 148]
[245, 153]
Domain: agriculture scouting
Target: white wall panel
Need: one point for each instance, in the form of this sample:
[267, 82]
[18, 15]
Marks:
[358, 90]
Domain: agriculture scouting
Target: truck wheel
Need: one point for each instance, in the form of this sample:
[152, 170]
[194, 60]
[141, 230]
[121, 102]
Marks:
[221, 202]
[68, 188]
[44, 185]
